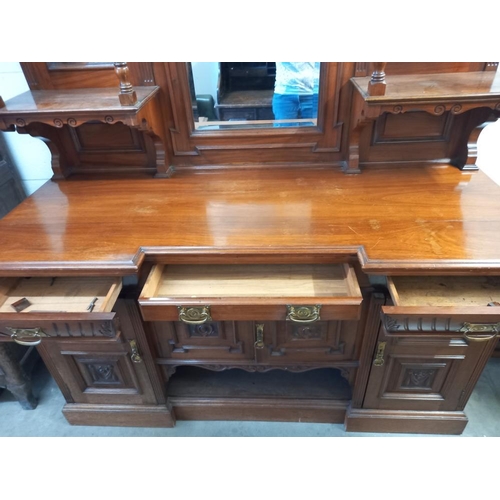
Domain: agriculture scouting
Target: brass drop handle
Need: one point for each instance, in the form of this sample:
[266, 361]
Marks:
[19, 334]
[259, 334]
[194, 315]
[134, 355]
[379, 357]
[303, 314]
[480, 329]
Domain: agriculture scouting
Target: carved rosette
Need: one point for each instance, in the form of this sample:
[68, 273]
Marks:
[419, 379]
[102, 373]
[307, 332]
[204, 330]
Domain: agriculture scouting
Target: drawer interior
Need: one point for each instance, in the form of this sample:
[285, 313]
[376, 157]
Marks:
[258, 281]
[72, 295]
[444, 290]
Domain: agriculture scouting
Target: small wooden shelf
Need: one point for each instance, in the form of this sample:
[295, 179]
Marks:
[456, 93]
[32, 111]
[74, 107]
[471, 87]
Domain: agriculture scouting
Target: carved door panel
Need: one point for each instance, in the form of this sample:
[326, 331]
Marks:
[214, 341]
[104, 371]
[319, 341]
[424, 372]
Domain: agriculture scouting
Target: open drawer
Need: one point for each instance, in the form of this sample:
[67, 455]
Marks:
[196, 294]
[36, 308]
[444, 305]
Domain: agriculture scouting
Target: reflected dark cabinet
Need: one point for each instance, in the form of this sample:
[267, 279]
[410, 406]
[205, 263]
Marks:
[245, 90]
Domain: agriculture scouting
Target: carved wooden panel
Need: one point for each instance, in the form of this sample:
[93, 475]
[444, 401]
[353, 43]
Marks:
[223, 340]
[320, 341]
[422, 373]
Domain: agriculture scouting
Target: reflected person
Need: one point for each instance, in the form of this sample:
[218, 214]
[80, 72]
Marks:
[295, 92]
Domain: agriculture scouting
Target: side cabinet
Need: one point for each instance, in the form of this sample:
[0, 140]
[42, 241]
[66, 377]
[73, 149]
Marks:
[432, 346]
[93, 344]
[413, 371]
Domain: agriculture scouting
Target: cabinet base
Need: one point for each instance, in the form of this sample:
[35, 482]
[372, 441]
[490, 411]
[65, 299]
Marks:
[402, 421]
[259, 409]
[119, 415]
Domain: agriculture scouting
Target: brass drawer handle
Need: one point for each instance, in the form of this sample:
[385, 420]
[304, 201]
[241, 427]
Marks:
[303, 314]
[480, 329]
[194, 315]
[379, 357]
[135, 356]
[259, 334]
[19, 334]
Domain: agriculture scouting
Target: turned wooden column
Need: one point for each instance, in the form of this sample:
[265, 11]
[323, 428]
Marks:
[377, 83]
[127, 94]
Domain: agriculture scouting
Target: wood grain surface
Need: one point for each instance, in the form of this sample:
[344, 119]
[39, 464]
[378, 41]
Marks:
[395, 221]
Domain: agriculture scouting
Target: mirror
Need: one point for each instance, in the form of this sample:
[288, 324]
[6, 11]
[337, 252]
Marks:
[249, 95]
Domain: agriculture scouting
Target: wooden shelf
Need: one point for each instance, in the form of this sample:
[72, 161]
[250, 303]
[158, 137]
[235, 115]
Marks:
[471, 88]
[40, 112]
[476, 92]
[74, 107]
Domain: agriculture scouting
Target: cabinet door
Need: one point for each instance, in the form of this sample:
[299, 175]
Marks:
[98, 371]
[424, 372]
[319, 341]
[213, 341]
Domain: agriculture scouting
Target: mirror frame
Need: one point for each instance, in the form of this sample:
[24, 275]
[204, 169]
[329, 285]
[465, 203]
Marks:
[279, 145]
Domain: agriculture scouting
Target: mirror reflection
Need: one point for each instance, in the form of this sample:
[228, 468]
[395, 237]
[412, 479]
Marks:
[229, 95]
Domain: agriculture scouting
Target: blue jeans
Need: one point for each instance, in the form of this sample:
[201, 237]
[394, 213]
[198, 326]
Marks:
[289, 106]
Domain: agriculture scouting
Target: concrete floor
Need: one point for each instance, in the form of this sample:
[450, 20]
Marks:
[483, 410]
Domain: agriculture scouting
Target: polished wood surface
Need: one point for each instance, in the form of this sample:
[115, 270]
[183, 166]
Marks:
[473, 85]
[396, 221]
[79, 104]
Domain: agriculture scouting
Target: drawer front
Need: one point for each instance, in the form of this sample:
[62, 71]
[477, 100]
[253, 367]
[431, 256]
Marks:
[33, 309]
[320, 341]
[214, 341]
[33, 328]
[239, 311]
[472, 322]
[195, 293]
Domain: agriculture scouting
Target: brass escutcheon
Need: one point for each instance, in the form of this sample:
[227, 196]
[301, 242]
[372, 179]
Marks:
[134, 355]
[379, 357]
[303, 314]
[194, 315]
[259, 335]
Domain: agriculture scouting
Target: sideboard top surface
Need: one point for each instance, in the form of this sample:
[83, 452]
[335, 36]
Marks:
[433, 219]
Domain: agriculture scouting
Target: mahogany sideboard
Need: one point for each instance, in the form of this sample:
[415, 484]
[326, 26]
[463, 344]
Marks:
[166, 273]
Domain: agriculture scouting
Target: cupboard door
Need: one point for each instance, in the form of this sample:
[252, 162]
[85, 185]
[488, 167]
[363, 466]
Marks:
[103, 371]
[319, 341]
[424, 372]
[213, 341]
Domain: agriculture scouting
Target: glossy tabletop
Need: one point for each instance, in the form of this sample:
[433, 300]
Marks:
[394, 220]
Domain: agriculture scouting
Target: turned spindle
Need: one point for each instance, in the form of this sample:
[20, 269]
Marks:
[127, 94]
[377, 82]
